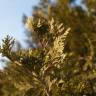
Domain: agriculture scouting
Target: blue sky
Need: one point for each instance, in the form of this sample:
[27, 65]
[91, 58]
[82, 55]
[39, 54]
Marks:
[11, 12]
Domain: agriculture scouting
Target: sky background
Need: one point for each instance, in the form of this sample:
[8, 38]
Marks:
[11, 12]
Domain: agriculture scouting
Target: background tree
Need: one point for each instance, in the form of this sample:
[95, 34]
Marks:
[61, 61]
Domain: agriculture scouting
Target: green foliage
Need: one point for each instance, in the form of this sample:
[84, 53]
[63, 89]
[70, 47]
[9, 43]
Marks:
[39, 63]
[63, 61]
[6, 47]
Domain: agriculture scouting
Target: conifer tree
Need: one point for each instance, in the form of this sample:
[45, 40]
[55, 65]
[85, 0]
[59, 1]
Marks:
[62, 62]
